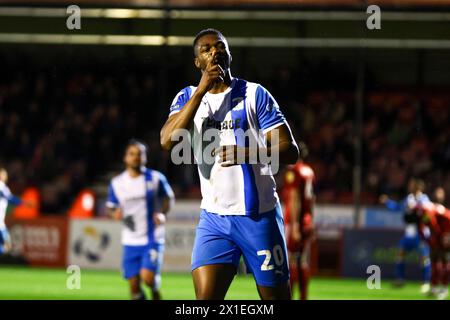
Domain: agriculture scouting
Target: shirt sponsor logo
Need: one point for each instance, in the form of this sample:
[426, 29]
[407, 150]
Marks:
[221, 125]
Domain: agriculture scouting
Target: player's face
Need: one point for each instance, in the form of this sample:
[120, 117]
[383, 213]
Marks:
[3, 176]
[439, 195]
[412, 186]
[133, 157]
[212, 48]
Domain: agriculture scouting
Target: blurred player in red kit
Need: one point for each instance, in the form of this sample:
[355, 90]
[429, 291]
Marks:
[437, 218]
[298, 199]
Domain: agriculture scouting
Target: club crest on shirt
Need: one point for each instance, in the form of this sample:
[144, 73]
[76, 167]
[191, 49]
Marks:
[270, 106]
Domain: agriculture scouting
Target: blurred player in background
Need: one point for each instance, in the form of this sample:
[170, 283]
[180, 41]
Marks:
[298, 199]
[241, 213]
[433, 238]
[141, 198]
[439, 196]
[6, 197]
[412, 239]
[437, 218]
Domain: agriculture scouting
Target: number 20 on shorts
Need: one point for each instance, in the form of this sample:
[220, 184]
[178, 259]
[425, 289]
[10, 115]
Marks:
[278, 257]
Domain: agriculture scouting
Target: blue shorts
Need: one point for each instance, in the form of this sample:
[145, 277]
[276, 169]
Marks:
[414, 244]
[260, 239]
[148, 257]
[4, 238]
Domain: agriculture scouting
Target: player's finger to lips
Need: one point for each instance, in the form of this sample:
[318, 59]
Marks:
[213, 75]
[216, 67]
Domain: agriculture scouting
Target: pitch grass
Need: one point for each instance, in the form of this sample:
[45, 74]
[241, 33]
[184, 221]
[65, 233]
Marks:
[44, 283]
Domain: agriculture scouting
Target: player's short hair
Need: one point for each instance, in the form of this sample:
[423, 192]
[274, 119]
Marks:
[420, 184]
[141, 145]
[3, 170]
[202, 33]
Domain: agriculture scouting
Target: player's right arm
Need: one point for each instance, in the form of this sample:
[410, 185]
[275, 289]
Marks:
[390, 204]
[294, 203]
[183, 119]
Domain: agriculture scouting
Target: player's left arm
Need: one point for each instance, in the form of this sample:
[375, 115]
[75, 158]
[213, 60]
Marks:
[393, 205]
[295, 208]
[285, 145]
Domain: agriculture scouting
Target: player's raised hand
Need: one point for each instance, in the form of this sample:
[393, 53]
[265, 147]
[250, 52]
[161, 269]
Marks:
[212, 74]
[117, 214]
[231, 155]
[159, 218]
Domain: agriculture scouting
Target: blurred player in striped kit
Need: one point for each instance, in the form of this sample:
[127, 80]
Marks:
[141, 197]
[6, 197]
[412, 239]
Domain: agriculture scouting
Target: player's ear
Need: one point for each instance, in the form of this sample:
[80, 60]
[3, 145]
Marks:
[197, 63]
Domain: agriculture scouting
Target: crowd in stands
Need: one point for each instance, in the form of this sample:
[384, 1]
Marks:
[62, 129]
